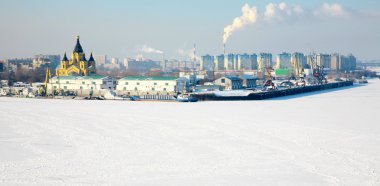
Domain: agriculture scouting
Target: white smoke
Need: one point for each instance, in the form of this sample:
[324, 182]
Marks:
[139, 57]
[249, 16]
[188, 53]
[279, 13]
[150, 50]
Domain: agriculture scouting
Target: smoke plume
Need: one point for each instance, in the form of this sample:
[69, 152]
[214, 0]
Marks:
[150, 50]
[249, 16]
[279, 13]
[188, 53]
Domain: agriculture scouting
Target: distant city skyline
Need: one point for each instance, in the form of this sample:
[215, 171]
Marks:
[170, 28]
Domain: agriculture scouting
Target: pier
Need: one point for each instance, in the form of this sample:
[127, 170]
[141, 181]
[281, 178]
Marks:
[273, 93]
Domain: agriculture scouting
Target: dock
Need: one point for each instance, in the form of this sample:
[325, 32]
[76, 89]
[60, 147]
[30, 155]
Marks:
[273, 93]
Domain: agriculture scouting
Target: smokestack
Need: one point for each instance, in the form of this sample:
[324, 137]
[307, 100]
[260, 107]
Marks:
[194, 52]
[224, 48]
[249, 16]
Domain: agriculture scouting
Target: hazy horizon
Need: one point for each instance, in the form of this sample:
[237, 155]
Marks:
[127, 28]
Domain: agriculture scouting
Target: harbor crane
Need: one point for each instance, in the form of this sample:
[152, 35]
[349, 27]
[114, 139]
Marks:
[47, 78]
[298, 73]
[269, 85]
[318, 71]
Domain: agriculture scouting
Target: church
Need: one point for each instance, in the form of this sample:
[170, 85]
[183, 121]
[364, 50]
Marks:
[77, 65]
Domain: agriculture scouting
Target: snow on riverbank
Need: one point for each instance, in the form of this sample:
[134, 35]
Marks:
[326, 138]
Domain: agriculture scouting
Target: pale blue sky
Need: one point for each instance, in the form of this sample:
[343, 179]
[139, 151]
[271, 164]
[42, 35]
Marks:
[118, 28]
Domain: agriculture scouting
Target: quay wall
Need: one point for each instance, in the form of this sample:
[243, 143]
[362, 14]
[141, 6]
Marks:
[274, 93]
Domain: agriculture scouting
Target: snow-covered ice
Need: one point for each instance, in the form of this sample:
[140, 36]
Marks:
[321, 138]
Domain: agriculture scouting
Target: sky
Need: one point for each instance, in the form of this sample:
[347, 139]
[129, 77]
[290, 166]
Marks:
[170, 28]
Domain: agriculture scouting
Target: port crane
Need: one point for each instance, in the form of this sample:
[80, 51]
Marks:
[318, 71]
[47, 78]
[319, 74]
[269, 85]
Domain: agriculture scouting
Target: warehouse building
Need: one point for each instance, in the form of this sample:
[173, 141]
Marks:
[229, 83]
[81, 85]
[249, 82]
[142, 85]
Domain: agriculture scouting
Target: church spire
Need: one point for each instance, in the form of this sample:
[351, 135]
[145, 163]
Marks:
[78, 47]
[64, 57]
[91, 58]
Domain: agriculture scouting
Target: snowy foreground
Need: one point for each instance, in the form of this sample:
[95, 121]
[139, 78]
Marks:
[323, 138]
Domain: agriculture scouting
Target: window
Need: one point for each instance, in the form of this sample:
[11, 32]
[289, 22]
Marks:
[223, 80]
[136, 89]
[83, 82]
[154, 83]
[164, 89]
[138, 83]
[125, 88]
[153, 89]
[55, 87]
[92, 88]
[67, 82]
[126, 83]
[166, 84]
[65, 87]
[81, 87]
[93, 83]
[57, 82]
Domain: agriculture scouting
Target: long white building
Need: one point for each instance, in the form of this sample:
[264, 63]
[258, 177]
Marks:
[141, 85]
[81, 85]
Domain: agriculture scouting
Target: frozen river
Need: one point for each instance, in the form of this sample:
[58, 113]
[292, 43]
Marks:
[323, 138]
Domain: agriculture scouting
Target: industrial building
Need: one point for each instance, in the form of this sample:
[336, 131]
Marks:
[248, 81]
[229, 83]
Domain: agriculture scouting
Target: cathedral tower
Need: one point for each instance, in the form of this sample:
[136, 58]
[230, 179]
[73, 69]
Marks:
[77, 65]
